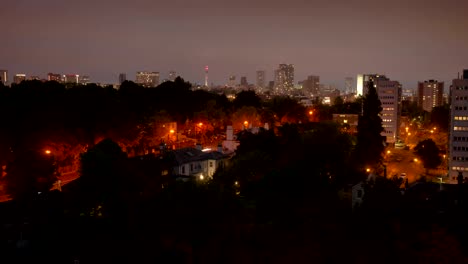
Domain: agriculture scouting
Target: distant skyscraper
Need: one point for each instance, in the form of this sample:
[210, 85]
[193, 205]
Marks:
[71, 78]
[147, 79]
[54, 77]
[260, 79]
[206, 76]
[232, 81]
[458, 138]
[172, 76]
[19, 78]
[4, 77]
[349, 87]
[243, 81]
[430, 94]
[311, 85]
[284, 77]
[122, 78]
[83, 79]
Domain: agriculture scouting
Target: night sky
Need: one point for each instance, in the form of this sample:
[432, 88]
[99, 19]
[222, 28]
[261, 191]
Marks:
[333, 39]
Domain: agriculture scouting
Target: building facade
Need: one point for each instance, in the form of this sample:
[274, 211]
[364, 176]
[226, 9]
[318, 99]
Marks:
[389, 93]
[430, 94]
[19, 78]
[284, 78]
[458, 134]
[311, 86]
[349, 86]
[122, 78]
[147, 79]
[54, 77]
[4, 77]
[71, 78]
[260, 81]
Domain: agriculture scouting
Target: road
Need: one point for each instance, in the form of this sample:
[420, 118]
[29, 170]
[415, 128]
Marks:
[405, 161]
[64, 178]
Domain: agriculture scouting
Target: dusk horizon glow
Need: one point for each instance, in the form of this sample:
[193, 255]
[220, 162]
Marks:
[407, 42]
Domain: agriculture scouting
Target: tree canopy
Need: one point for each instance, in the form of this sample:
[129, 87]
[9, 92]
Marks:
[370, 142]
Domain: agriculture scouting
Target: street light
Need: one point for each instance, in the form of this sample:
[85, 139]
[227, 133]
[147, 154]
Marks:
[47, 152]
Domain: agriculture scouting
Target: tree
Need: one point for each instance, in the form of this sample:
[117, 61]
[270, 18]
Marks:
[103, 181]
[440, 117]
[30, 173]
[247, 98]
[428, 151]
[370, 142]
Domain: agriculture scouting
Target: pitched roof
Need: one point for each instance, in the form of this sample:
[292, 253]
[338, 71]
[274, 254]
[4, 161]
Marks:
[186, 155]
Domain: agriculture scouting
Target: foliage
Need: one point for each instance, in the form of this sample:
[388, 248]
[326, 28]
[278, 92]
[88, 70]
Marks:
[370, 142]
[428, 151]
[30, 173]
[104, 177]
[440, 117]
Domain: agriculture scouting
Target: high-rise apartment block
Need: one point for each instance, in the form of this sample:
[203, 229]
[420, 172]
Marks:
[349, 87]
[122, 78]
[311, 85]
[71, 78]
[4, 77]
[430, 94]
[147, 79]
[458, 137]
[243, 81]
[389, 93]
[83, 79]
[54, 77]
[284, 78]
[390, 96]
[260, 81]
[364, 79]
[19, 78]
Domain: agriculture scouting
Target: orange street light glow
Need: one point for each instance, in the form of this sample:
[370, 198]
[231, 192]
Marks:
[311, 112]
[200, 124]
[171, 131]
[47, 152]
[245, 122]
[367, 170]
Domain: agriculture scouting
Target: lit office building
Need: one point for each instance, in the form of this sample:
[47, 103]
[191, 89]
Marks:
[430, 94]
[18, 78]
[458, 139]
[54, 77]
[4, 77]
[260, 79]
[83, 79]
[71, 78]
[147, 79]
[284, 78]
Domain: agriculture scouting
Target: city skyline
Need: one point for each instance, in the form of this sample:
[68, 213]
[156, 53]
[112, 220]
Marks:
[330, 39]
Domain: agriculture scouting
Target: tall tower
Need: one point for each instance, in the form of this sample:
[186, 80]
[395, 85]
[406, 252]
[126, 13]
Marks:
[206, 76]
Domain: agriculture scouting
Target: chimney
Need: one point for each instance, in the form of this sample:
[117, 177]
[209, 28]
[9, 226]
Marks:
[198, 146]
